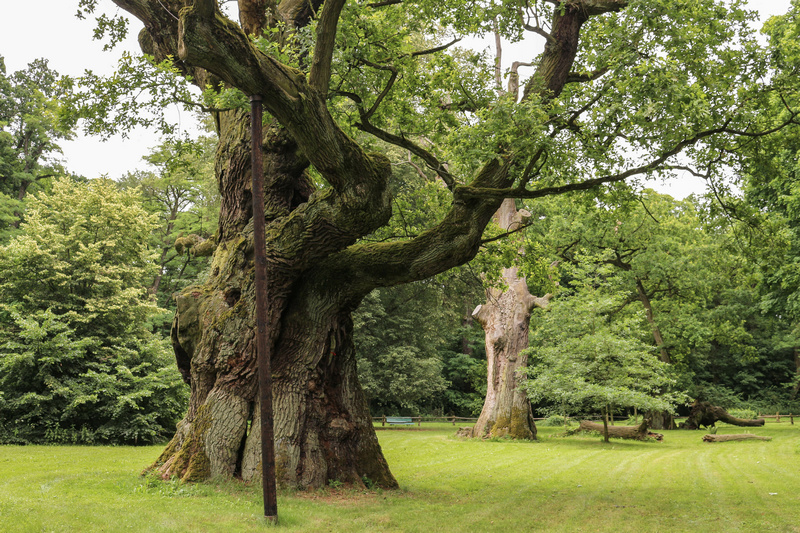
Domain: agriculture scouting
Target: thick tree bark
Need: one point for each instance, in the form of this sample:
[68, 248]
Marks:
[323, 430]
[505, 318]
[705, 414]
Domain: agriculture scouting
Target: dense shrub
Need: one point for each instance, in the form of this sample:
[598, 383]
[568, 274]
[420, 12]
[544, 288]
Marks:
[78, 361]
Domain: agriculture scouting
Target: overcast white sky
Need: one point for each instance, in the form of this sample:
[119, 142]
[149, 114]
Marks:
[48, 28]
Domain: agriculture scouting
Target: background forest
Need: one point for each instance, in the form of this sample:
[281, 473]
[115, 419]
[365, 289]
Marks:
[707, 284]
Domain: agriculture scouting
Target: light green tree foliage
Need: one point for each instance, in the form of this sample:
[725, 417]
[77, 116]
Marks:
[180, 189]
[658, 251]
[78, 362]
[30, 129]
[583, 361]
[772, 206]
[772, 178]
[685, 268]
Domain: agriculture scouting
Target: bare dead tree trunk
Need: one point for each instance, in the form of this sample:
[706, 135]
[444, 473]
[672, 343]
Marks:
[505, 318]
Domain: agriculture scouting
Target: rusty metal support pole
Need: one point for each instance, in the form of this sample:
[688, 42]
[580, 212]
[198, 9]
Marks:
[263, 347]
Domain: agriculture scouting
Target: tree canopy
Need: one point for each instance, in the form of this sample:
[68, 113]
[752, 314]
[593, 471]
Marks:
[30, 129]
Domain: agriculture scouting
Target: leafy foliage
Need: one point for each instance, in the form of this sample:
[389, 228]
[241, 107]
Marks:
[78, 361]
[30, 129]
[397, 348]
[416, 350]
[580, 361]
[179, 189]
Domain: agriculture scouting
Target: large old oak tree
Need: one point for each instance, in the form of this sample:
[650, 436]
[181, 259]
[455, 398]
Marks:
[621, 89]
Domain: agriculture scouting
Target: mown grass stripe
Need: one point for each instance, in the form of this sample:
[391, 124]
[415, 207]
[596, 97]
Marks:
[448, 484]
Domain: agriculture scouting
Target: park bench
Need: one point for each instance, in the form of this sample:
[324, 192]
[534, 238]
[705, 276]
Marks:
[399, 421]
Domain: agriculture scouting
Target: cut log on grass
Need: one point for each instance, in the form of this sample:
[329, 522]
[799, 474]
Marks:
[705, 414]
[724, 438]
[639, 432]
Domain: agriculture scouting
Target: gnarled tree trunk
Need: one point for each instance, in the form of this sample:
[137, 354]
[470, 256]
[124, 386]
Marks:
[323, 430]
[505, 318]
[705, 414]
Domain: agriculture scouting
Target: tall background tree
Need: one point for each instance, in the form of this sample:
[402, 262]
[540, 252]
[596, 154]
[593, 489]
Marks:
[620, 89]
[179, 188]
[30, 129]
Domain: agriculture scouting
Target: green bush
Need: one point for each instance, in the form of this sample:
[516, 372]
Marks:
[745, 414]
[78, 363]
[557, 420]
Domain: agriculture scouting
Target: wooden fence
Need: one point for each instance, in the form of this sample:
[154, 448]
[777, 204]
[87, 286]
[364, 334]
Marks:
[420, 419]
[454, 419]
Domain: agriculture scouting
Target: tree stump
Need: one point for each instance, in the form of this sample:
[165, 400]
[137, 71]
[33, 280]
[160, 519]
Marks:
[464, 432]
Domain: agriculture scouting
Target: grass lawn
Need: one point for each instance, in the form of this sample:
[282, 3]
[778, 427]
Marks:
[447, 484]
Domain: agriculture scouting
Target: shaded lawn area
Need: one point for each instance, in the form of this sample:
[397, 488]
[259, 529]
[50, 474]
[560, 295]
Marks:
[447, 484]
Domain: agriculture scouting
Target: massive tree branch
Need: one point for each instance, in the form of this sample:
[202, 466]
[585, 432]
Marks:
[253, 15]
[575, 77]
[435, 49]
[320, 74]
[470, 191]
[452, 242]
[220, 46]
[457, 238]
[384, 3]
[562, 46]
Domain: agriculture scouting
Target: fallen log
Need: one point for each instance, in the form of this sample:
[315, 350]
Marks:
[704, 414]
[639, 432]
[724, 438]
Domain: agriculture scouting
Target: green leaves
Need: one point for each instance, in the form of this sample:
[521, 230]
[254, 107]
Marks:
[179, 189]
[135, 96]
[30, 129]
[579, 360]
[77, 362]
